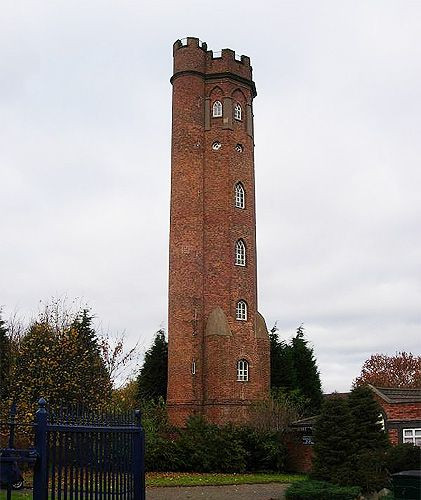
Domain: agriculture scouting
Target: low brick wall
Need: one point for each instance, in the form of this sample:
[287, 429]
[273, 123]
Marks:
[299, 454]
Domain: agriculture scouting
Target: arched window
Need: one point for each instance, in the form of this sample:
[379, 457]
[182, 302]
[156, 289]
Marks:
[241, 311]
[242, 370]
[240, 196]
[240, 253]
[237, 111]
[217, 109]
[193, 367]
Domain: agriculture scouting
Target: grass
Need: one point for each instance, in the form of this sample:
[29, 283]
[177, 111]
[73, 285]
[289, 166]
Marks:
[17, 494]
[196, 479]
[191, 479]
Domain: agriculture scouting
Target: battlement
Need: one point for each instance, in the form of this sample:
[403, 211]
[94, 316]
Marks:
[191, 54]
[190, 41]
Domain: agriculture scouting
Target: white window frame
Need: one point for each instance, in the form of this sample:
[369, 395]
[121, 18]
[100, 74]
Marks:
[240, 196]
[240, 253]
[217, 109]
[241, 310]
[242, 370]
[193, 367]
[238, 111]
[412, 435]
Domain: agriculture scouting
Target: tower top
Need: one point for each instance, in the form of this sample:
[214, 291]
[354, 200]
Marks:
[192, 55]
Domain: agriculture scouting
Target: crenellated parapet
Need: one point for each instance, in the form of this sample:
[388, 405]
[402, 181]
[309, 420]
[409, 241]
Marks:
[191, 55]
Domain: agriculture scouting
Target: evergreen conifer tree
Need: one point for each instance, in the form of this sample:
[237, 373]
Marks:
[370, 441]
[306, 372]
[350, 444]
[368, 431]
[282, 372]
[294, 371]
[333, 442]
[5, 360]
[153, 376]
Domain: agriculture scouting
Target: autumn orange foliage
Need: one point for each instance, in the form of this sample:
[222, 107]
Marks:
[401, 370]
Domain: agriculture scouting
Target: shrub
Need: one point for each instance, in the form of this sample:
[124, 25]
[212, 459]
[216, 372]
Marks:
[161, 449]
[321, 490]
[403, 457]
[204, 447]
[207, 448]
[162, 454]
[264, 449]
[369, 470]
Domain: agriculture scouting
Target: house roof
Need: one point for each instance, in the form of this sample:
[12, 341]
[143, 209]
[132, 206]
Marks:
[305, 422]
[398, 395]
[341, 395]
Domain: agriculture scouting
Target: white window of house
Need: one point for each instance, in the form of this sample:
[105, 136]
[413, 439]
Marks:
[237, 111]
[193, 367]
[240, 196]
[412, 436]
[217, 109]
[241, 311]
[242, 370]
[240, 253]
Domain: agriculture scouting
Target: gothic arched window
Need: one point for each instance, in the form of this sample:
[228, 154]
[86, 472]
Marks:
[237, 112]
[240, 196]
[241, 311]
[240, 253]
[242, 370]
[217, 109]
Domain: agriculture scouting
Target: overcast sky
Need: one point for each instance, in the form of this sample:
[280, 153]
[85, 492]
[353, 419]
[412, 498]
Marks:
[85, 120]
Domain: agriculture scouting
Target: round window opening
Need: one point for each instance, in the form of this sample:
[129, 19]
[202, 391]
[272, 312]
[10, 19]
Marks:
[239, 148]
[216, 146]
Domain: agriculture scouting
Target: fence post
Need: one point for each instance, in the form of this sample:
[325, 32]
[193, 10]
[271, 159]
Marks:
[40, 469]
[139, 459]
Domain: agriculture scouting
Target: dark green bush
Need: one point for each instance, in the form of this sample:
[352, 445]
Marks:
[403, 457]
[369, 470]
[162, 453]
[264, 449]
[161, 447]
[204, 447]
[321, 490]
[208, 448]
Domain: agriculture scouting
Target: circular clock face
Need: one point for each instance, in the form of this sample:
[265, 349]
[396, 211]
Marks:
[216, 145]
[239, 148]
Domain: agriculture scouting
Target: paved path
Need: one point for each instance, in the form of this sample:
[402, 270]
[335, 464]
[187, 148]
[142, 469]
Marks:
[236, 492]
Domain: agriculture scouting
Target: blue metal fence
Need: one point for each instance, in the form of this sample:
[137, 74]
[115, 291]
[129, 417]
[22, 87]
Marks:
[82, 455]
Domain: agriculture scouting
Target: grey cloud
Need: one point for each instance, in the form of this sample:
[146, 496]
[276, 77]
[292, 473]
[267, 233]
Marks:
[85, 102]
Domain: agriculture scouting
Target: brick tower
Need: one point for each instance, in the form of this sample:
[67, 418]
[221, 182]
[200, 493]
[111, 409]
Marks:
[218, 362]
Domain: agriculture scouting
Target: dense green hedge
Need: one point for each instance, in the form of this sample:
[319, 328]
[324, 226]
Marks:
[321, 490]
[203, 447]
[403, 457]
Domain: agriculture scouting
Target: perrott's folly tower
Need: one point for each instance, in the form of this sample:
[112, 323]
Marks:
[218, 361]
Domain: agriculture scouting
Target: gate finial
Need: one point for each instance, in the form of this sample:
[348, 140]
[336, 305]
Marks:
[42, 403]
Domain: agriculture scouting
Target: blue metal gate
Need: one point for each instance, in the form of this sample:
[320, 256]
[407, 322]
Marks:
[81, 455]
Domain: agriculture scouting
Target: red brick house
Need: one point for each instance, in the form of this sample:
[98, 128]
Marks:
[401, 413]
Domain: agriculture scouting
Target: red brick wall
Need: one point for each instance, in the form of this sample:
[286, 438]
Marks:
[401, 411]
[299, 455]
[393, 436]
[398, 415]
[205, 225]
